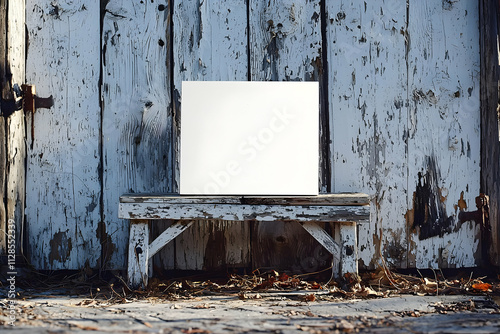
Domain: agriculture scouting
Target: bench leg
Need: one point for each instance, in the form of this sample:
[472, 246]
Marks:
[349, 253]
[138, 253]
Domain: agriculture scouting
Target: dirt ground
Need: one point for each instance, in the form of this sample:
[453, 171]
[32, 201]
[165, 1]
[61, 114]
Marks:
[274, 313]
[376, 302]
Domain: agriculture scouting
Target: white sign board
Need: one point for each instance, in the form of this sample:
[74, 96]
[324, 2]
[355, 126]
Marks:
[249, 138]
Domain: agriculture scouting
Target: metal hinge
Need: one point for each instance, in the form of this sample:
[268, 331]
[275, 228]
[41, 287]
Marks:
[482, 218]
[25, 98]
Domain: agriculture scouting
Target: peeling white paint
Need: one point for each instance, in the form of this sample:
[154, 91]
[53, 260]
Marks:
[443, 62]
[403, 91]
[62, 183]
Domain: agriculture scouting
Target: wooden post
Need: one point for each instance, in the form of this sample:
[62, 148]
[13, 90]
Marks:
[12, 133]
[349, 252]
[490, 146]
[138, 253]
[3, 92]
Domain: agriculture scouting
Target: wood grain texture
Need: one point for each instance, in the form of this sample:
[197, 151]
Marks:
[348, 236]
[138, 254]
[285, 44]
[137, 112]
[285, 40]
[209, 43]
[443, 132]
[367, 85]
[62, 184]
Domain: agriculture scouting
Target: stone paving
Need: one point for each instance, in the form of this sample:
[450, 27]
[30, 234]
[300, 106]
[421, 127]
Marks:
[260, 313]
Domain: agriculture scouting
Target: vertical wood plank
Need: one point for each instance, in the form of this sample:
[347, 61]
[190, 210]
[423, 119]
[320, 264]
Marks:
[16, 141]
[4, 95]
[285, 44]
[444, 131]
[490, 145]
[62, 184]
[367, 86]
[137, 112]
[210, 43]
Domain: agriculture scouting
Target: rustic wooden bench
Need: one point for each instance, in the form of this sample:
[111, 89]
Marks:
[344, 210]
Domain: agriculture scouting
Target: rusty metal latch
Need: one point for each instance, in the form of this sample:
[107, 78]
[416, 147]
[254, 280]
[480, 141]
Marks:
[480, 217]
[26, 99]
[33, 102]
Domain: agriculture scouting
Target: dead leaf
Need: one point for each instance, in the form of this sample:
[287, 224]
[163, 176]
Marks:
[283, 277]
[267, 284]
[315, 285]
[481, 286]
[429, 283]
[368, 292]
[310, 297]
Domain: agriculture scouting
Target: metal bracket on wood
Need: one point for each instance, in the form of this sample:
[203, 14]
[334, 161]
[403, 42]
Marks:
[26, 99]
[33, 102]
[481, 218]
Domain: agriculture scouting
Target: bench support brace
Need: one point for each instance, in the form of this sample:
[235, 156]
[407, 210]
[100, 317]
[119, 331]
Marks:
[345, 255]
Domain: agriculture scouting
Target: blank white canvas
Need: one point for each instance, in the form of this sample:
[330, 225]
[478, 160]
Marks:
[249, 138]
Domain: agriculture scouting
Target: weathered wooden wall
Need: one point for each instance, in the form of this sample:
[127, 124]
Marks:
[399, 119]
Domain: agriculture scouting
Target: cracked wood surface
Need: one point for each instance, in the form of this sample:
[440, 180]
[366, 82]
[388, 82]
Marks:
[241, 212]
